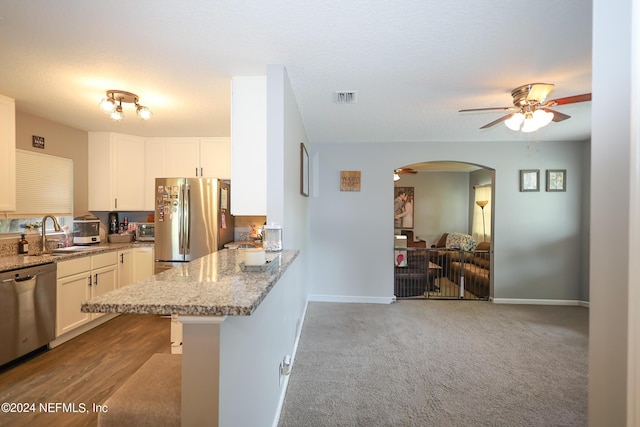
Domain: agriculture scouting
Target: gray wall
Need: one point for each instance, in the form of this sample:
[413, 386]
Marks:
[441, 203]
[538, 239]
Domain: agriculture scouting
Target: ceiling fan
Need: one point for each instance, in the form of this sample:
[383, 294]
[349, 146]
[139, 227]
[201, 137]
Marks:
[530, 109]
[405, 170]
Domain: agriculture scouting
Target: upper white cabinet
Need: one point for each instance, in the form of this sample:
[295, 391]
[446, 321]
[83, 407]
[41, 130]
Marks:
[215, 157]
[249, 145]
[198, 157]
[189, 157]
[116, 172]
[7, 154]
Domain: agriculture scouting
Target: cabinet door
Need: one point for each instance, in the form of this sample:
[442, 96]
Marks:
[154, 161]
[125, 267]
[128, 173]
[103, 280]
[143, 263]
[100, 183]
[249, 145]
[7, 154]
[182, 157]
[72, 291]
[215, 157]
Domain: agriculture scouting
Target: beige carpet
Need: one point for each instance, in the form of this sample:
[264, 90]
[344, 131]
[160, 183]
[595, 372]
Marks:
[439, 363]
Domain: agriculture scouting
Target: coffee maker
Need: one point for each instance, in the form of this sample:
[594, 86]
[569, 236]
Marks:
[114, 224]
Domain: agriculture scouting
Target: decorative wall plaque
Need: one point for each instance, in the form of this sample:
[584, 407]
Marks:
[37, 141]
[349, 180]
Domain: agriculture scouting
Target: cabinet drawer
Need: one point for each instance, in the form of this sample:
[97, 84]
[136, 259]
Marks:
[104, 260]
[73, 266]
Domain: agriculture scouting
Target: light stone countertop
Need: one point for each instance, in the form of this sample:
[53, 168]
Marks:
[12, 262]
[213, 285]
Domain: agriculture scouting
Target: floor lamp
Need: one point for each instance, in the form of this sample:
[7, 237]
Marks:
[482, 204]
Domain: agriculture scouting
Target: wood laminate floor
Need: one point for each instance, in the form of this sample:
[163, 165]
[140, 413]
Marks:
[81, 372]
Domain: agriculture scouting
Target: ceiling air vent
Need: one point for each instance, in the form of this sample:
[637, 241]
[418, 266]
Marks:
[346, 97]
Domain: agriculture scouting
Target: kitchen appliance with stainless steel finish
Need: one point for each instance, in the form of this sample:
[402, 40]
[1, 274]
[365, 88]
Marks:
[86, 230]
[192, 219]
[27, 310]
[145, 231]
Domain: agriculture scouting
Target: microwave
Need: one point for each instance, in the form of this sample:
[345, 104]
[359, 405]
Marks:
[145, 231]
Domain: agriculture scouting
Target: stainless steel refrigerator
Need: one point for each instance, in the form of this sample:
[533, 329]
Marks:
[192, 219]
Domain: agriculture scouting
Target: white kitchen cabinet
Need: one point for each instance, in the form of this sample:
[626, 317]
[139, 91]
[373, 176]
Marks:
[198, 157]
[73, 289]
[116, 172]
[215, 158]
[125, 267]
[78, 280]
[143, 263]
[249, 145]
[104, 272]
[7, 154]
[154, 167]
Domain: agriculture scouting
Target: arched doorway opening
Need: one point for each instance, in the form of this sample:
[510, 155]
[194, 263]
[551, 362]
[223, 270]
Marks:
[443, 230]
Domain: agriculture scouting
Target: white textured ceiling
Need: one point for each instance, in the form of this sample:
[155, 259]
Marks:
[414, 63]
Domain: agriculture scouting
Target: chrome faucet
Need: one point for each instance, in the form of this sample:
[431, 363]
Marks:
[56, 227]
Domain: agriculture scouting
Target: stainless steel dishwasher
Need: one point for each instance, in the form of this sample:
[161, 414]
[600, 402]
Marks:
[27, 310]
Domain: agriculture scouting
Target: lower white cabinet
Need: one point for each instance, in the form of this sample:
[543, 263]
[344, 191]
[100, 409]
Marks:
[79, 280]
[125, 267]
[143, 263]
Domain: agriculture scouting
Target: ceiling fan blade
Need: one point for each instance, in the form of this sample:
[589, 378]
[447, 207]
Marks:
[569, 100]
[557, 116]
[489, 109]
[495, 122]
[539, 91]
[406, 170]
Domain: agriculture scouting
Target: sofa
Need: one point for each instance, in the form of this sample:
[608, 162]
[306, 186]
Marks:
[474, 266]
[459, 257]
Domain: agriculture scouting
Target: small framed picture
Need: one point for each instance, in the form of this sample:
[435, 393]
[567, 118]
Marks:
[556, 180]
[530, 180]
[304, 170]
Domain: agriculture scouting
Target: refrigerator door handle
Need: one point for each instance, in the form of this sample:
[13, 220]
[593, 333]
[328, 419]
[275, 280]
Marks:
[186, 220]
[181, 223]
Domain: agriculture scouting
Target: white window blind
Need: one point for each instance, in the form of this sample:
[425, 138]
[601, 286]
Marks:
[44, 185]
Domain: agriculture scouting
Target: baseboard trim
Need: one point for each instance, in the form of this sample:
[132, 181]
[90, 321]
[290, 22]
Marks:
[351, 299]
[540, 301]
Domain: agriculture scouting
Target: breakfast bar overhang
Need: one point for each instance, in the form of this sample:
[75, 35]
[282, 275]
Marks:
[236, 328]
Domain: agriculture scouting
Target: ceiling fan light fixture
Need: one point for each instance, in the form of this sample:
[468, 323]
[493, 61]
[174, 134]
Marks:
[542, 117]
[514, 121]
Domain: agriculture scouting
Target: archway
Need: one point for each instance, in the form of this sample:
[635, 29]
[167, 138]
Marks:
[443, 217]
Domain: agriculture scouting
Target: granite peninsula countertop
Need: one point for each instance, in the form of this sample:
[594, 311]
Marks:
[13, 262]
[213, 285]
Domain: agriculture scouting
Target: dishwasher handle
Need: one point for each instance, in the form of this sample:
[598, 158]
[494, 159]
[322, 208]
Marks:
[20, 279]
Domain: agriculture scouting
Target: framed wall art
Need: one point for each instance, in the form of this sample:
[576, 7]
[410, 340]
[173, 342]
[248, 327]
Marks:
[304, 170]
[530, 180]
[556, 180]
[403, 207]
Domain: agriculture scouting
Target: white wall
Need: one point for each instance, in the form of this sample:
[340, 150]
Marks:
[537, 236]
[441, 203]
[611, 171]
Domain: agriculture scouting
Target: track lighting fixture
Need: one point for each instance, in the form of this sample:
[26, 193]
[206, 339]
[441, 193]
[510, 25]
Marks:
[112, 105]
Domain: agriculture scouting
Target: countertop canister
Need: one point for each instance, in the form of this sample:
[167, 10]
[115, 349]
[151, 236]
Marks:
[272, 237]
